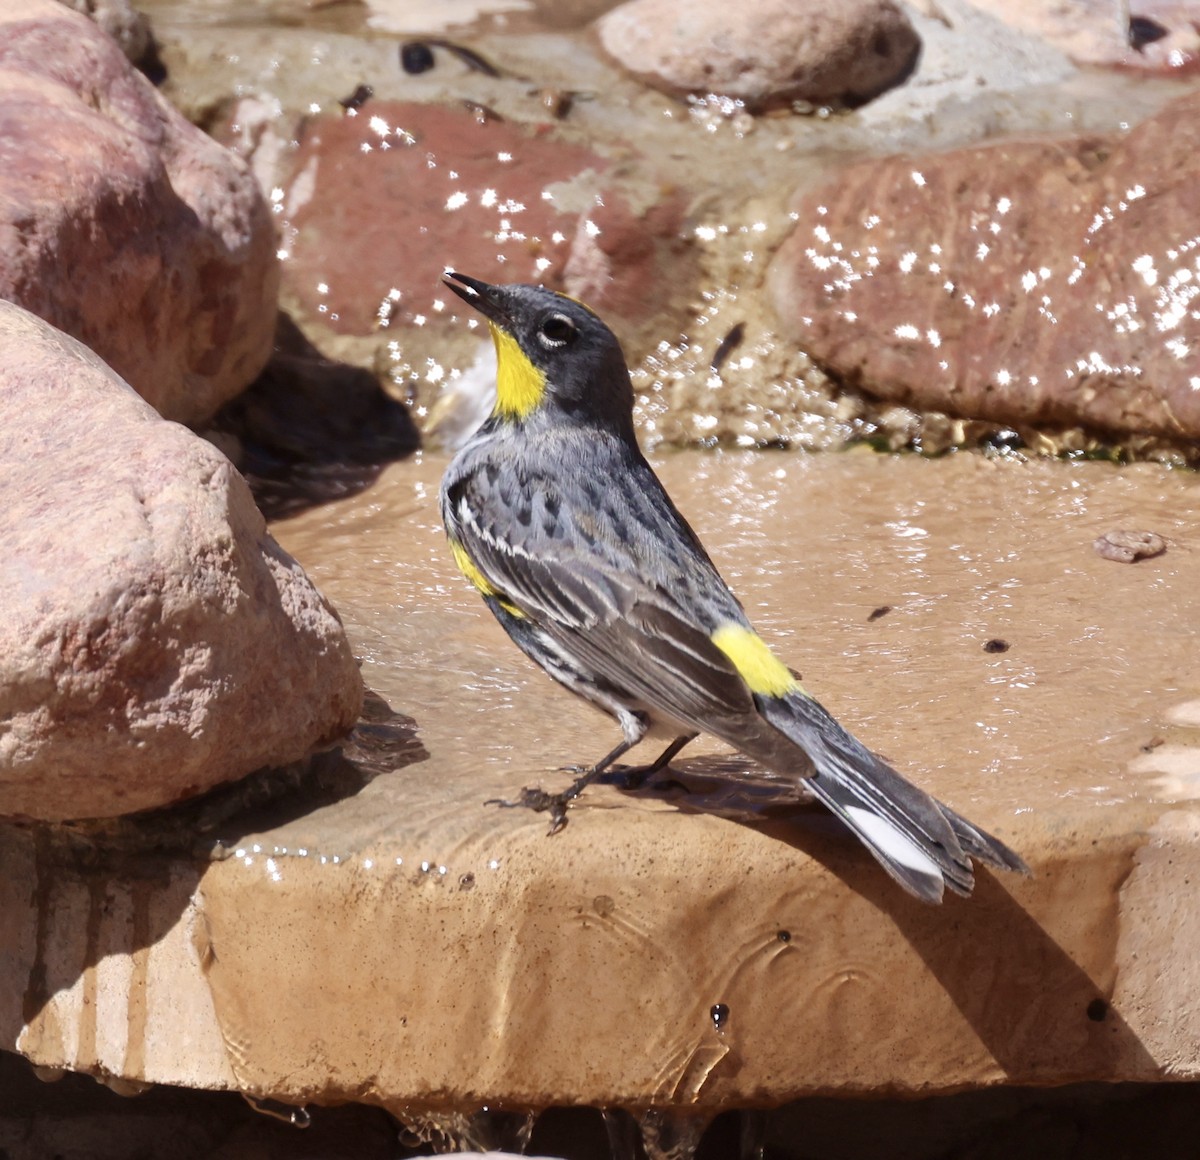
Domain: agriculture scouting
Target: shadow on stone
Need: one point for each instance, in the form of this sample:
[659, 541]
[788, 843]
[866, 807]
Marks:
[311, 429]
[1034, 1008]
[381, 742]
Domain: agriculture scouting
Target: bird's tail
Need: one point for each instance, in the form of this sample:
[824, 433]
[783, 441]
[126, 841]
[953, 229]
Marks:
[924, 845]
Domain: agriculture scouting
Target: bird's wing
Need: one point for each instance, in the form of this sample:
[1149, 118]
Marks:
[584, 587]
[647, 632]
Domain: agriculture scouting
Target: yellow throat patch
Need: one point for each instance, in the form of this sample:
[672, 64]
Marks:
[756, 664]
[519, 384]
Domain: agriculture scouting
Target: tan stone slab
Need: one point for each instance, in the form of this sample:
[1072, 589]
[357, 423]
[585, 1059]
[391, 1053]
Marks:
[408, 945]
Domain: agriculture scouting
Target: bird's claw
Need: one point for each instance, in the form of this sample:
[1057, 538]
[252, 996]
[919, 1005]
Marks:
[533, 797]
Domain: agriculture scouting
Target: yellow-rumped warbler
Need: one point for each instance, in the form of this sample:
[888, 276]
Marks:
[561, 524]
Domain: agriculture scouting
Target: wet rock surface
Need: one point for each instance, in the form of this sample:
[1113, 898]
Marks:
[413, 927]
[122, 224]
[696, 195]
[1151, 36]
[520, 203]
[363, 927]
[777, 51]
[1046, 283]
[156, 639]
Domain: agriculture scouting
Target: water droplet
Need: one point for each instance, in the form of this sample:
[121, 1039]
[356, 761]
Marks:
[719, 1015]
[277, 1110]
[784, 936]
[603, 905]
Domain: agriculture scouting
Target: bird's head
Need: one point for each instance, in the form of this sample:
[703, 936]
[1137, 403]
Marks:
[551, 351]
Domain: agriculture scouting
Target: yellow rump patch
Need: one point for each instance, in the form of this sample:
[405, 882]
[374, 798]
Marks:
[467, 567]
[754, 661]
[519, 384]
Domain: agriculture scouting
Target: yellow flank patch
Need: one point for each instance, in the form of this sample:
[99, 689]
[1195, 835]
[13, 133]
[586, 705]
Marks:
[755, 663]
[467, 567]
[519, 384]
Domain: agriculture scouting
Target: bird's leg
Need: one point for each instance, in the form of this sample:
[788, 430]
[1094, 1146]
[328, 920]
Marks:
[634, 776]
[533, 797]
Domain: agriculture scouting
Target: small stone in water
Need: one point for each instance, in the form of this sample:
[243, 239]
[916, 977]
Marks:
[881, 611]
[557, 102]
[996, 645]
[1127, 547]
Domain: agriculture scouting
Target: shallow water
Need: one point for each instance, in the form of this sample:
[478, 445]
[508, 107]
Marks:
[273, 65]
[962, 551]
[466, 956]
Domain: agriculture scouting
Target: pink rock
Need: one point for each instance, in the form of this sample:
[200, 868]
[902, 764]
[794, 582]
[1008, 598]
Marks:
[122, 224]
[383, 202]
[124, 23]
[155, 641]
[767, 52]
[1153, 36]
[1038, 283]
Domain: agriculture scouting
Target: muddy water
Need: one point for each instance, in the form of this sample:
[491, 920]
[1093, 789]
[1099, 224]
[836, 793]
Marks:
[963, 551]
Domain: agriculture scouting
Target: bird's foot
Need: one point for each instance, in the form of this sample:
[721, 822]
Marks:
[533, 797]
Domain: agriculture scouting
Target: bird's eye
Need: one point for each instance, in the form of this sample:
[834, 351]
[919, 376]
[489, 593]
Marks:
[557, 331]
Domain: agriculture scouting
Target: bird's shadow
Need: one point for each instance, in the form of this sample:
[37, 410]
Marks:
[1039, 1013]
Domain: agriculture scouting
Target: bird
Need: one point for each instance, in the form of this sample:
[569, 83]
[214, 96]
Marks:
[558, 520]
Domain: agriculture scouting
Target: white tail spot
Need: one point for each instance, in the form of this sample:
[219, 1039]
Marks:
[892, 843]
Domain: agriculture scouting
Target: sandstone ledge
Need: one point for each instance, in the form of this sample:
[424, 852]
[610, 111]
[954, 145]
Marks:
[397, 942]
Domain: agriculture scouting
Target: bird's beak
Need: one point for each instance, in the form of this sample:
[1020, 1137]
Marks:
[488, 300]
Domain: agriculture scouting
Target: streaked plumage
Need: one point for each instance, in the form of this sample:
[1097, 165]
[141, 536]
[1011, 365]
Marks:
[556, 517]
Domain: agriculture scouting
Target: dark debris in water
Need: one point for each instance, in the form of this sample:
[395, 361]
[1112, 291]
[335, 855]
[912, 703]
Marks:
[311, 429]
[361, 95]
[727, 346]
[1143, 31]
[416, 56]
